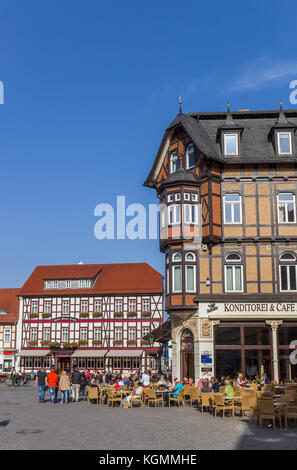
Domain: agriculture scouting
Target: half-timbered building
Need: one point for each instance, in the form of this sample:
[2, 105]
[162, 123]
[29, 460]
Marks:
[231, 288]
[92, 316]
[8, 322]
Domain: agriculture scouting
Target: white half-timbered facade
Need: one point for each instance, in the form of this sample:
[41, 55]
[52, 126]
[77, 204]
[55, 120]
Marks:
[99, 324]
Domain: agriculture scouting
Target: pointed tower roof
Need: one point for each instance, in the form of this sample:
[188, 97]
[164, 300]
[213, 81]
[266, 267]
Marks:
[229, 123]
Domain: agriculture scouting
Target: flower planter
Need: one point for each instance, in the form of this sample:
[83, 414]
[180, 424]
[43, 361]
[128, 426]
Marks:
[84, 315]
[132, 314]
[45, 342]
[146, 314]
[131, 342]
[83, 342]
[54, 345]
[118, 341]
[33, 343]
[97, 342]
[144, 342]
[70, 345]
[33, 315]
[97, 315]
[118, 314]
[46, 315]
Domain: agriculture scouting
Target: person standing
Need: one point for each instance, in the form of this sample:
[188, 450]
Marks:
[75, 379]
[83, 383]
[146, 379]
[13, 376]
[64, 386]
[40, 383]
[52, 380]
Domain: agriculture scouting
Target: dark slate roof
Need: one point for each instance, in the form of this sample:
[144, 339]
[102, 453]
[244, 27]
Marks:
[180, 176]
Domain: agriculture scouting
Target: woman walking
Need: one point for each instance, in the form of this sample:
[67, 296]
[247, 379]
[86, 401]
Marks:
[64, 386]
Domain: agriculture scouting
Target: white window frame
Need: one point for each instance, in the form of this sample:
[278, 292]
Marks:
[173, 159]
[287, 263]
[97, 333]
[177, 197]
[65, 337]
[187, 196]
[83, 334]
[289, 134]
[225, 144]
[7, 331]
[33, 334]
[286, 203]
[189, 259]
[187, 154]
[96, 309]
[175, 210]
[118, 334]
[68, 284]
[232, 203]
[46, 334]
[132, 335]
[179, 257]
[195, 197]
[233, 266]
[192, 267]
[174, 268]
[170, 198]
[188, 214]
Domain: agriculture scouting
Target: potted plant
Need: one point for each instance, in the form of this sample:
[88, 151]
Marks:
[83, 342]
[33, 342]
[97, 342]
[46, 315]
[132, 314]
[69, 345]
[146, 314]
[97, 314]
[144, 342]
[33, 315]
[54, 344]
[118, 341]
[45, 342]
[118, 314]
[84, 314]
[131, 341]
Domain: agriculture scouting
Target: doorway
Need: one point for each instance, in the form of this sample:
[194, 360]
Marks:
[187, 354]
[63, 363]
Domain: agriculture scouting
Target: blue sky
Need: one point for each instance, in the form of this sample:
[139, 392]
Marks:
[90, 87]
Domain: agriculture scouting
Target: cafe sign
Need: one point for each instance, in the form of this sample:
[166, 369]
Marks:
[247, 308]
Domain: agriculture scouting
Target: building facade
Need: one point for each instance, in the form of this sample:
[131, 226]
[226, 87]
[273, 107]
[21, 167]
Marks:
[90, 316]
[8, 322]
[231, 288]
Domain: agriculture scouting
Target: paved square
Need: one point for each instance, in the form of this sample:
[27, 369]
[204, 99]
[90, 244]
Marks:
[26, 424]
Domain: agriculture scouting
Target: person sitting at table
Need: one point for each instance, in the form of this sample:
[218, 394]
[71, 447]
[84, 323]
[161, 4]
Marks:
[229, 391]
[240, 380]
[215, 386]
[265, 380]
[121, 382]
[222, 381]
[165, 387]
[206, 387]
[177, 388]
[191, 383]
[137, 392]
[117, 386]
[186, 381]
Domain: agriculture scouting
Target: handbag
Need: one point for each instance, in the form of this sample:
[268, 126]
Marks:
[46, 388]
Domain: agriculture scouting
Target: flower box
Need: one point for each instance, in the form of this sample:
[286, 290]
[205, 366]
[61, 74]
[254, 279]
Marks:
[83, 342]
[33, 315]
[118, 314]
[132, 314]
[54, 345]
[118, 341]
[84, 314]
[97, 342]
[33, 342]
[45, 342]
[131, 341]
[70, 345]
[97, 314]
[144, 342]
[46, 315]
[146, 314]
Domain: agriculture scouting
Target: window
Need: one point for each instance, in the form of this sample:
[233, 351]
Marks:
[170, 198]
[55, 285]
[28, 362]
[98, 306]
[187, 196]
[7, 335]
[84, 306]
[233, 273]
[47, 334]
[33, 334]
[64, 335]
[68, 284]
[91, 363]
[231, 144]
[174, 214]
[232, 209]
[47, 307]
[100, 363]
[167, 281]
[117, 363]
[195, 197]
[191, 214]
[284, 143]
[190, 156]
[132, 305]
[132, 334]
[176, 279]
[47, 362]
[190, 257]
[190, 279]
[136, 362]
[286, 208]
[65, 307]
[81, 362]
[176, 257]
[118, 334]
[126, 363]
[145, 331]
[34, 307]
[173, 162]
[84, 283]
[177, 197]
[287, 272]
[84, 334]
[97, 334]
[118, 306]
[146, 305]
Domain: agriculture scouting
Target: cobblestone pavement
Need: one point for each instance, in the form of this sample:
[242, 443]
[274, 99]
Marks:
[26, 424]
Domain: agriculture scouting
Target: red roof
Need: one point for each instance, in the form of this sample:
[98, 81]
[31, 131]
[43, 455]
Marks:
[129, 278]
[10, 303]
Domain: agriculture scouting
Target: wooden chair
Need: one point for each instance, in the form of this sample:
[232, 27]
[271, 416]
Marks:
[179, 399]
[290, 412]
[254, 387]
[267, 411]
[153, 398]
[93, 394]
[147, 393]
[113, 398]
[243, 405]
[206, 400]
[219, 404]
[136, 399]
[195, 395]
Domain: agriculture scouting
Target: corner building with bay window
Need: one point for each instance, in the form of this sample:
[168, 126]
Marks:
[90, 316]
[232, 297]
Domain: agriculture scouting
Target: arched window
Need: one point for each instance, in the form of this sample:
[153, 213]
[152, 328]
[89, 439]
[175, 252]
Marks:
[190, 156]
[173, 162]
[233, 273]
[177, 257]
[190, 257]
[288, 272]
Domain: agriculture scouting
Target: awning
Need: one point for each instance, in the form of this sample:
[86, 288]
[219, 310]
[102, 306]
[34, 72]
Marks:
[34, 352]
[89, 353]
[124, 353]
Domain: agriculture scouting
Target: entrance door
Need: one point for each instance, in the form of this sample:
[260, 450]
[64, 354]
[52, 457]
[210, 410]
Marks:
[187, 355]
[63, 364]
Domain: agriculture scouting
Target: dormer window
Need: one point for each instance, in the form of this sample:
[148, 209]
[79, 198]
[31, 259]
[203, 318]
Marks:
[231, 144]
[284, 142]
[173, 162]
[190, 156]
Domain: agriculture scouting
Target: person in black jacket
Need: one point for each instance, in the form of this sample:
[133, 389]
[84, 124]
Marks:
[215, 386]
[83, 383]
[75, 380]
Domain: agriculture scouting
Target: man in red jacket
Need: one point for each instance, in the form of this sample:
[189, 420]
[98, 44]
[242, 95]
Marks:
[52, 380]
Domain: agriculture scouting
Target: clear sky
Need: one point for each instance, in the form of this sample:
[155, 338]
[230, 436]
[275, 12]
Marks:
[89, 89]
